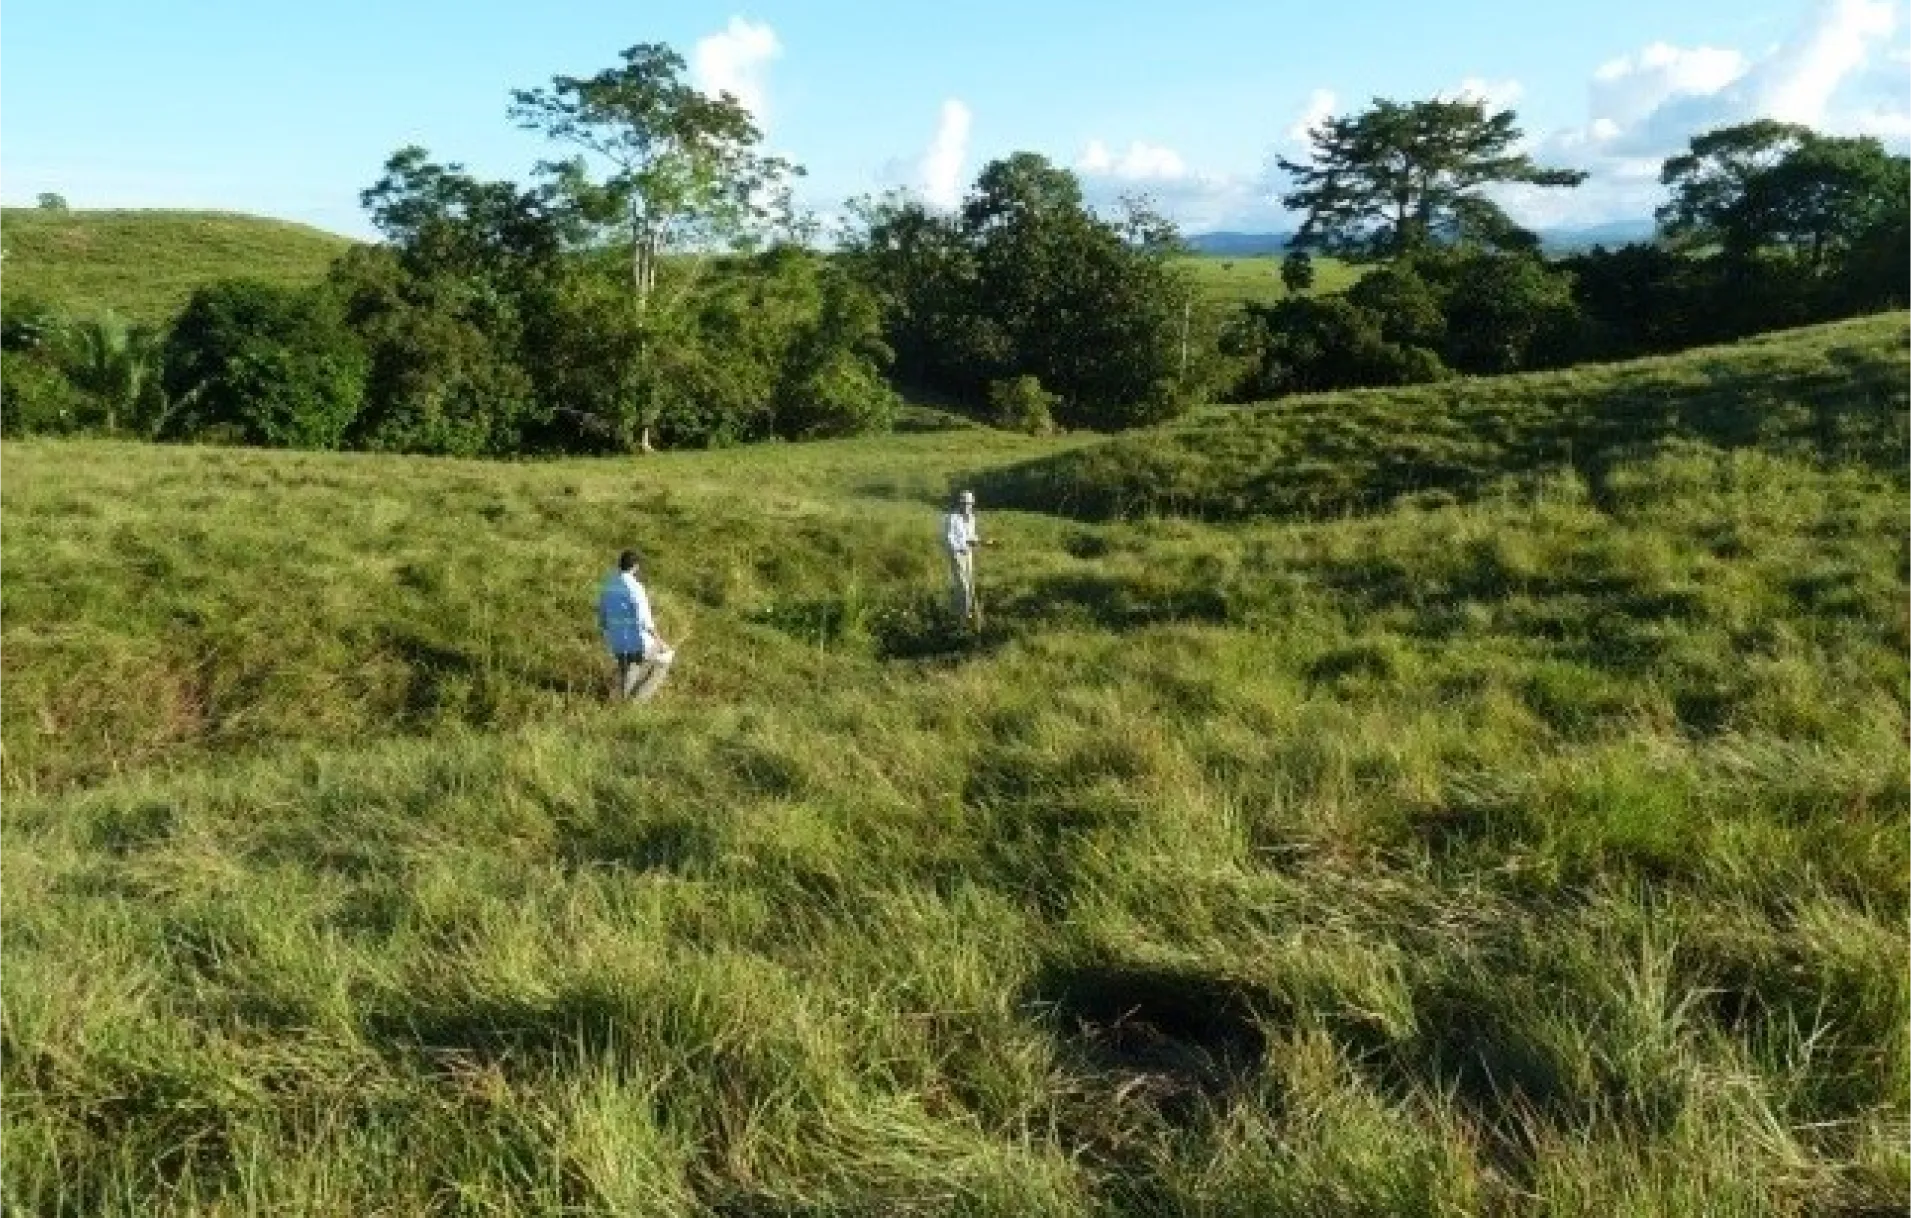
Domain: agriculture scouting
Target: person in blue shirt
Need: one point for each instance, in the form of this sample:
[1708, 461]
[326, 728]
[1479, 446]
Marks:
[623, 614]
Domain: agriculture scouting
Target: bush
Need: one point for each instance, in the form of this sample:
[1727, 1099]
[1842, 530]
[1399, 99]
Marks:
[1021, 404]
[1310, 344]
[266, 364]
[36, 398]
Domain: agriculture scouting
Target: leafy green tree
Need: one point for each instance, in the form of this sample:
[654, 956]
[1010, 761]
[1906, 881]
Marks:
[1711, 185]
[259, 363]
[50, 202]
[832, 382]
[1297, 272]
[443, 376]
[1410, 308]
[1026, 280]
[1638, 299]
[683, 168]
[1309, 344]
[36, 398]
[1779, 186]
[1398, 178]
[1503, 312]
[1874, 269]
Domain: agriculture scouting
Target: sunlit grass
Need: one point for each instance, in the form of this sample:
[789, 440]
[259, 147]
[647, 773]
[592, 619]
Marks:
[1538, 850]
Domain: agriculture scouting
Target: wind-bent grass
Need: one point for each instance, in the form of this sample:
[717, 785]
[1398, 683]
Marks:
[1542, 853]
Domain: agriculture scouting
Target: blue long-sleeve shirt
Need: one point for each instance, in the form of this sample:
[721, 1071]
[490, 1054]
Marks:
[623, 614]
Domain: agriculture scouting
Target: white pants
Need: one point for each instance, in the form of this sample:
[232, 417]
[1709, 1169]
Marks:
[962, 584]
[639, 681]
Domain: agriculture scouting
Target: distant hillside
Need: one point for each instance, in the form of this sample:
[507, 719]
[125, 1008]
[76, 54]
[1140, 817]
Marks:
[144, 265]
[1615, 233]
[1829, 392]
[1239, 245]
[1565, 239]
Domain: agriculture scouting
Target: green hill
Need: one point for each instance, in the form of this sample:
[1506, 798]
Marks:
[144, 265]
[1535, 852]
[1836, 392]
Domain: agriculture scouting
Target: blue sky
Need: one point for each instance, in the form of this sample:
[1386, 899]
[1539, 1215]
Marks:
[289, 110]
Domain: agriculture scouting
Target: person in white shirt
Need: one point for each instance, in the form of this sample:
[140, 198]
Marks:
[960, 538]
[623, 614]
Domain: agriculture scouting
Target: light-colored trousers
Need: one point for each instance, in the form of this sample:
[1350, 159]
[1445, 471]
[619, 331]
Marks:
[639, 681]
[962, 584]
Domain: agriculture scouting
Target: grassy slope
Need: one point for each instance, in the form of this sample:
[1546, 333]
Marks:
[1835, 391]
[1542, 853]
[1230, 281]
[144, 265]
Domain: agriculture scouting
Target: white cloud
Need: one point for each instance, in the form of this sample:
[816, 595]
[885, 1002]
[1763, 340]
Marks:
[1797, 82]
[1645, 106]
[1628, 89]
[1320, 108]
[1141, 163]
[939, 173]
[1891, 126]
[736, 61]
[1496, 94]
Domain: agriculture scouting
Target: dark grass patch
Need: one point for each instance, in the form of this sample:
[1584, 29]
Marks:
[1179, 1040]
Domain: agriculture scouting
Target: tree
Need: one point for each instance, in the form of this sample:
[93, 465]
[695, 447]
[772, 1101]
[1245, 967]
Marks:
[50, 202]
[443, 370]
[1710, 182]
[684, 171]
[1297, 271]
[115, 364]
[445, 309]
[1779, 186]
[1504, 311]
[1399, 178]
[1093, 308]
[1308, 344]
[262, 364]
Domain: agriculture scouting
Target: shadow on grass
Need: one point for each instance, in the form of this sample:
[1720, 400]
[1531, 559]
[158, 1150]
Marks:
[1179, 1040]
[519, 1035]
[451, 679]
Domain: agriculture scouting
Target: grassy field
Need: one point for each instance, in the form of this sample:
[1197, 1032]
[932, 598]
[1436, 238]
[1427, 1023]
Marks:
[1835, 392]
[1536, 848]
[1229, 281]
[144, 265]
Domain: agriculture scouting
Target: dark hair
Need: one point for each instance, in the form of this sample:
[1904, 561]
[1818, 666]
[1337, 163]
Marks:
[627, 561]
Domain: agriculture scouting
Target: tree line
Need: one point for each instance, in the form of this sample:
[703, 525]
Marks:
[656, 287]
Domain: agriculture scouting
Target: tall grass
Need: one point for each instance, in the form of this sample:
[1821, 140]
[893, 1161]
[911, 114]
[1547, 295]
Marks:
[1835, 392]
[1538, 853]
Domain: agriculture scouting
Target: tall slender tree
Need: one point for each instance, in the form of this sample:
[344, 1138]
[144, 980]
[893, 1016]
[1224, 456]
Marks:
[683, 167]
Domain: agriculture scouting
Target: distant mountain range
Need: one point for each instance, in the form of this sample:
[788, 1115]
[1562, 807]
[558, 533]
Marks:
[1554, 240]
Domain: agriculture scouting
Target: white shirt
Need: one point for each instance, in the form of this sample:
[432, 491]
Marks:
[637, 594]
[959, 532]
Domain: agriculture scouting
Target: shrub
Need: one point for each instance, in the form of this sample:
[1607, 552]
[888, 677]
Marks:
[36, 398]
[270, 365]
[1021, 404]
